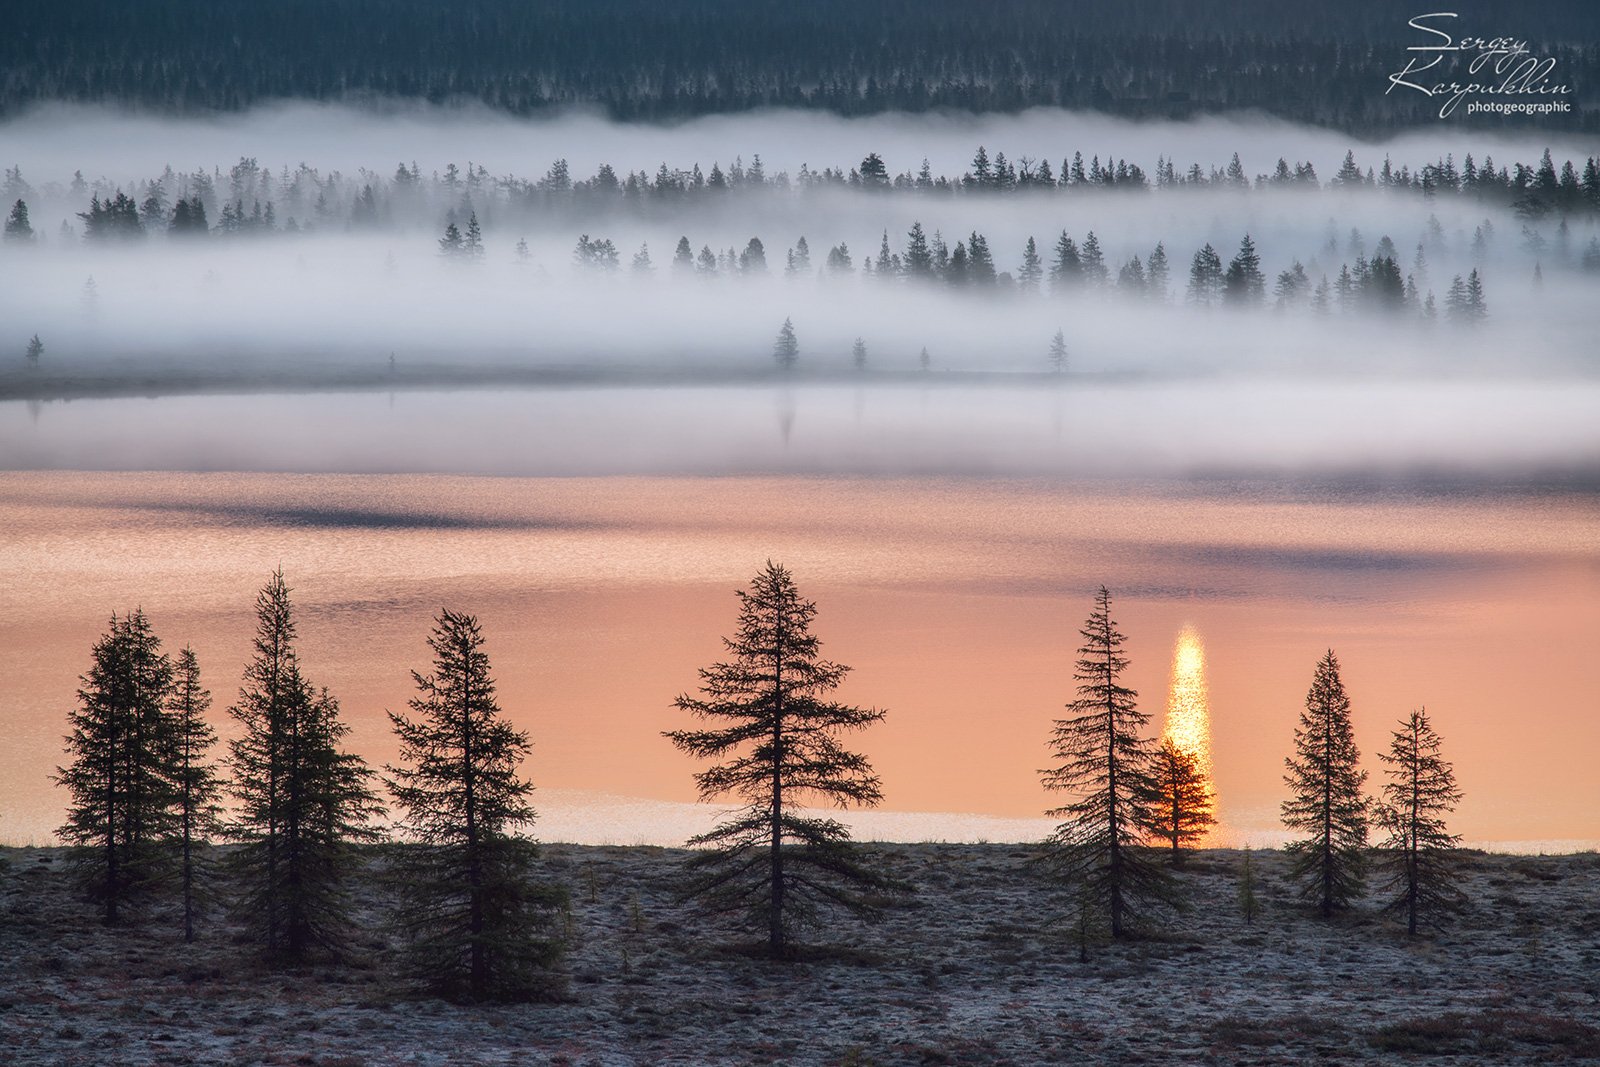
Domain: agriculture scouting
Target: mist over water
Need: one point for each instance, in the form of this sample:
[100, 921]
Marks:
[348, 296]
[1467, 432]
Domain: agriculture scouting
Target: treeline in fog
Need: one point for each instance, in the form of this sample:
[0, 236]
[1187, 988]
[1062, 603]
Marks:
[999, 233]
[476, 917]
[1325, 63]
[251, 199]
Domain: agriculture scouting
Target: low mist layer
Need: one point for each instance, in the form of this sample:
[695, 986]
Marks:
[1467, 431]
[890, 245]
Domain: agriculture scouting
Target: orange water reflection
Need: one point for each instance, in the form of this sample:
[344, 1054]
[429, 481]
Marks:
[956, 601]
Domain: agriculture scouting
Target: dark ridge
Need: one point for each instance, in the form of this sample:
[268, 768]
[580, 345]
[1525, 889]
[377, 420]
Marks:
[1325, 63]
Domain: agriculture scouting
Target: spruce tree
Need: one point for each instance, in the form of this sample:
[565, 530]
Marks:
[34, 350]
[1156, 272]
[1455, 300]
[799, 258]
[1205, 277]
[753, 260]
[1417, 856]
[958, 271]
[302, 801]
[1182, 802]
[1474, 308]
[1032, 269]
[1326, 801]
[777, 733]
[858, 354]
[1094, 263]
[196, 786]
[1105, 764]
[450, 245]
[476, 922]
[1058, 352]
[1130, 279]
[120, 777]
[1244, 285]
[980, 264]
[1066, 270]
[919, 260]
[786, 349]
[18, 229]
[472, 241]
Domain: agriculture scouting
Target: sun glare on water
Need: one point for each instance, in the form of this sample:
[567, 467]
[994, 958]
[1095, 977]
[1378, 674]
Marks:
[1188, 723]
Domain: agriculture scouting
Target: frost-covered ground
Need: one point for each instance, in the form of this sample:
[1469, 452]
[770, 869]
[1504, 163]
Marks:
[971, 970]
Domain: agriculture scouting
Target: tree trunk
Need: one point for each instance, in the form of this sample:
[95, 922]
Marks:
[479, 960]
[1327, 821]
[188, 857]
[111, 842]
[1111, 807]
[775, 914]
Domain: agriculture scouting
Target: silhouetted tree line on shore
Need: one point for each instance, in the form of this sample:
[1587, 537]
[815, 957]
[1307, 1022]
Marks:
[1324, 63]
[148, 798]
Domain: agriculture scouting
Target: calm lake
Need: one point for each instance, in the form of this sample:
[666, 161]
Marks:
[952, 537]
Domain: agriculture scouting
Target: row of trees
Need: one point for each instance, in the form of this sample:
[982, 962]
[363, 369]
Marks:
[1130, 793]
[249, 199]
[1377, 284]
[147, 797]
[778, 737]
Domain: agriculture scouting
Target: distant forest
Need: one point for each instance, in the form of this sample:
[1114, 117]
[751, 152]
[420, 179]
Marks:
[1324, 63]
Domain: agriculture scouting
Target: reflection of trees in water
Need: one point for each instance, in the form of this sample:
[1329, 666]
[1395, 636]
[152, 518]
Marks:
[786, 411]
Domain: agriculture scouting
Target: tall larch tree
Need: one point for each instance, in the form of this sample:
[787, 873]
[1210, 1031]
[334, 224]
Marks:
[777, 735]
[477, 923]
[1104, 763]
[196, 787]
[302, 800]
[119, 780]
[1418, 855]
[1326, 802]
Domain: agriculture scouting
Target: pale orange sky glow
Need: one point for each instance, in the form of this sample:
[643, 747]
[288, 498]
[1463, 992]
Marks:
[957, 603]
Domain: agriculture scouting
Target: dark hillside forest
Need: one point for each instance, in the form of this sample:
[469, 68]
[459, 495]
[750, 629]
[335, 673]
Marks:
[1325, 63]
